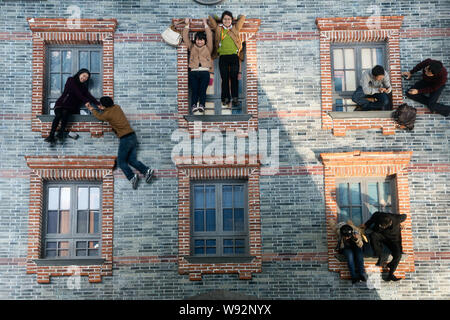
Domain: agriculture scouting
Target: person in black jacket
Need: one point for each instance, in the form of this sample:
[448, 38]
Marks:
[75, 94]
[386, 231]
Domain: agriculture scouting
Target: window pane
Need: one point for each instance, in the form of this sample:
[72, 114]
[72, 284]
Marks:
[227, 242]
[199, 197]
[339, 82]
[93, 248]
[94, 200]
[366, 58]
[53, 198]
[199, 224]
[343, 214]
[372, 190]
[338, 59]
[81, 248]
[227, 196]
[343, 194]
[65, 199]
[238, 201]
[50, 250]
[64, 222]
[238, 219]
[52, 221]
[350, 81]
[228, 250]
[210, 220]
[349, 55]
[95, 85]
[386, 194]
[94, 221]
[55, 84]
[84, 60]
[379, 56]
[83, 196]
[227, 219]
[63, 248]
[211, 246]
[210, 192]
[95, 61]
[338, 105]
[357, 215]
[199, 246]
[82, 222]
[55, 61]
[355, 193]
[67, 61]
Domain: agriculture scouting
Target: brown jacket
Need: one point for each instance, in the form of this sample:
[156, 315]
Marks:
[199, 55]
[234, 34]
[116, 118]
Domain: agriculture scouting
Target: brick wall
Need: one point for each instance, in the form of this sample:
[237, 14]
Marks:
[294, 244]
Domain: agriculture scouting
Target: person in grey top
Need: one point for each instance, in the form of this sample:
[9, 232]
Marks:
[372, 94]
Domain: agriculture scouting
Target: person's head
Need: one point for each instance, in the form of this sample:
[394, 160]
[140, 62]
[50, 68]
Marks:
[378, 72]
[227, 18]
[346, 231]
[106, 102]
[82, 76]
[384, 222]
[433, 69]
[200, 39]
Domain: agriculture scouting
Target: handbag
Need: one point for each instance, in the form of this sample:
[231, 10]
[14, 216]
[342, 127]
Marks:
[171, 36]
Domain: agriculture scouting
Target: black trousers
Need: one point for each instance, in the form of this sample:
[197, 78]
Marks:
[198, 82]
[229, 70]
[62, 115]
[431, 100]
[377, 240]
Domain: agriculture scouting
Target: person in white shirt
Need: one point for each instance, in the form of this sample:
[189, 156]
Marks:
[372, 94]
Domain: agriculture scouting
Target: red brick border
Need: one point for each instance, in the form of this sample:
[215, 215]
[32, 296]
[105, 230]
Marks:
[65, 31]
[368, 164]
[70, 168]
[359, 29]
[195, 270]
[248, 34]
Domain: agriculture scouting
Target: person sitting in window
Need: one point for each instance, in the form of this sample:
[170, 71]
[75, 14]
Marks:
[433, 82]
[228, 47]
[75, 93]
[200, 64]
[113, 114]
[372, 94]
[350, 244]
[386, 231]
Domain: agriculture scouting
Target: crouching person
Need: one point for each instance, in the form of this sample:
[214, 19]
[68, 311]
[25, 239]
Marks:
[372, 94]
[386, 231]
[127, 154]
[350, 244]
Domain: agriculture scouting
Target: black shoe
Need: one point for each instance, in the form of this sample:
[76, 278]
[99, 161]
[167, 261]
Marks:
[134, 181]
[225, 101]
[50, 139]
[148, 175]
[355, 280]
[391, 277]
[363, 277]
[235, 101]
[201, 108]
[381, 262]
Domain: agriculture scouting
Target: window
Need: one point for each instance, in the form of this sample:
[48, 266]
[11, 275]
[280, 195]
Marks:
[64, 62]
[213, 105]
[72, 221]
[219, 219]
[358, 199]
[348, 64]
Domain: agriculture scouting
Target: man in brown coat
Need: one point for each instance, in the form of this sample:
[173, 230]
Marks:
[113, 114]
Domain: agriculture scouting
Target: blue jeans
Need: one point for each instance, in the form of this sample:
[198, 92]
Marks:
[359, 97]
[355, 261]
[128, 155]
[198, 82]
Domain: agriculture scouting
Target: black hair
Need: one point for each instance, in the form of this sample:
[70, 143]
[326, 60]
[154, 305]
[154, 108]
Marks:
[77, 75]
[435, 67]
[200, 35]
[226, 13]
[106, 101]
[378, 71]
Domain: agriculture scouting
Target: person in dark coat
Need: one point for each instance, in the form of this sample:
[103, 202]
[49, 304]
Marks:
[75, 94]
[428, 90]
[386, 231]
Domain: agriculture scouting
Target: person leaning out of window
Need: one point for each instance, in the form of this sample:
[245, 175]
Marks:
[75, 94]
[372, 94]
[200, 64]
[350, 244]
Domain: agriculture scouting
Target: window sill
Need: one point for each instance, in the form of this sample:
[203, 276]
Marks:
[74, 118]
[219, 118]
[370, 259]
[235, 259]
[69, 262]
[360, 114]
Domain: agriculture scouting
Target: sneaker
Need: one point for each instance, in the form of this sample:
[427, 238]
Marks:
[391, 277]
[235, 101]
[194, 108]
[50, 139]
[201, 108]
[225, 101]
[148, 175]
[134, 181]
[60, 136]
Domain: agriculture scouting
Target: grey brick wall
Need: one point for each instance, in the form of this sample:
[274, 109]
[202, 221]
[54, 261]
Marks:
[292, 207]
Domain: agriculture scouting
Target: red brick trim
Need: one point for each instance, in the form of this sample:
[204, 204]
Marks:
[359, 29]
[188, 173]
[70, 168]
[365, 164]
[65, 31]
[248, 34]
